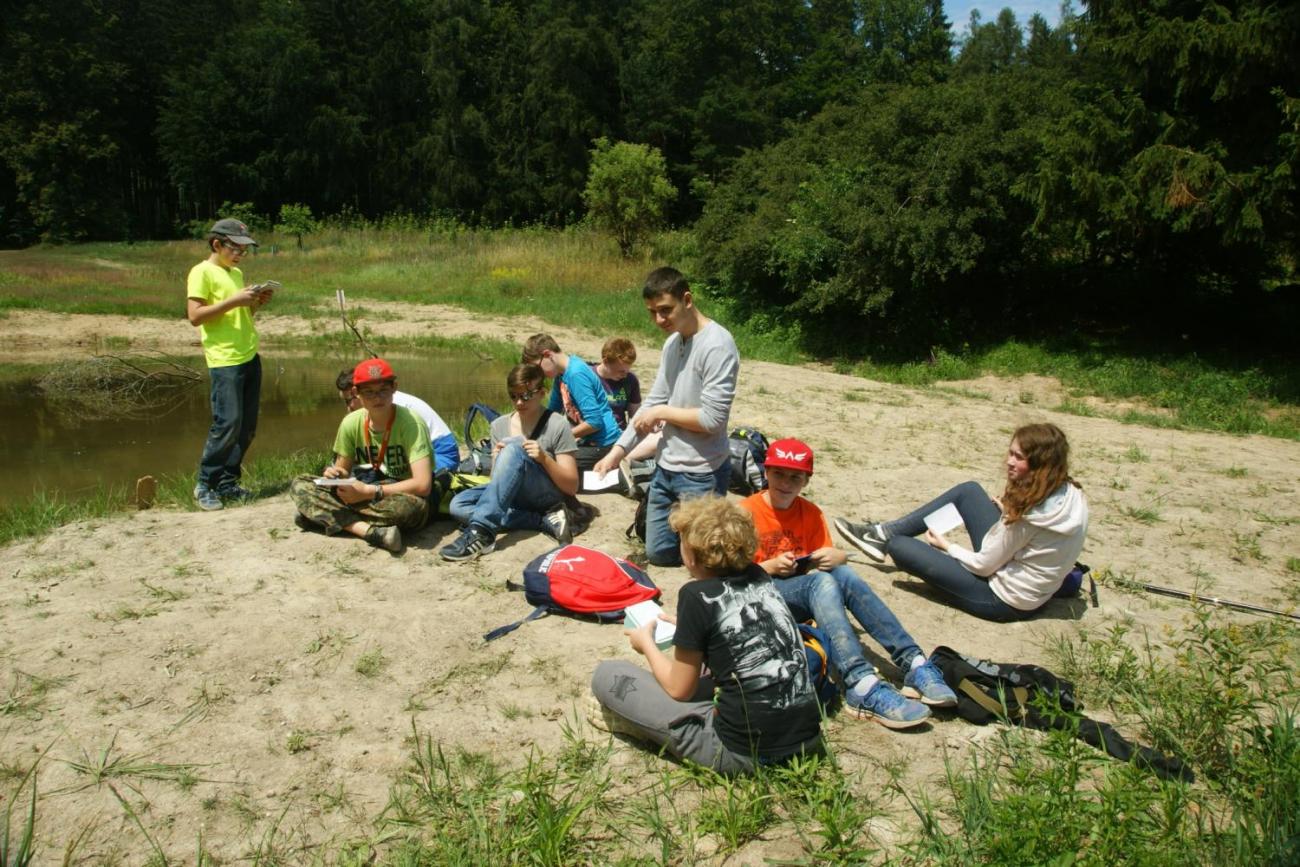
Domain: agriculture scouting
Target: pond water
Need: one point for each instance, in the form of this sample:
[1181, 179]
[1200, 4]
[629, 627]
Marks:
[51, 449]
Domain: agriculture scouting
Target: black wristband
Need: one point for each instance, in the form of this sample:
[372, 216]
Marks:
[379, 494]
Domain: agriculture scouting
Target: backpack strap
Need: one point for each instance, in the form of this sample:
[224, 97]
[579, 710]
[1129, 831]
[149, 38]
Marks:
[539, 611]
[541, 424]
[986, 701]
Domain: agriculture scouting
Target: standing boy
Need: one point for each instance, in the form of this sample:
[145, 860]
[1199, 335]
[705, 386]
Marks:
[690, 402]
[221, 307]
[795, 548]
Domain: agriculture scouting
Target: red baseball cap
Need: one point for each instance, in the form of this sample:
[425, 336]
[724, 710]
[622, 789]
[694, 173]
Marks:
[790, 454]
[372, 370]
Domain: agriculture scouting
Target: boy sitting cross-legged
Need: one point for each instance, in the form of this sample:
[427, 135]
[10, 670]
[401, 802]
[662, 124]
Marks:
[822, 587]
[733, 621]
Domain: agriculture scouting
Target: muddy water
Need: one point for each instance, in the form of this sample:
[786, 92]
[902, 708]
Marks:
[49, 449]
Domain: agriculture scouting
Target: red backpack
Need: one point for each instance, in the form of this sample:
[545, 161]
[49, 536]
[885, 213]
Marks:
[580, 582]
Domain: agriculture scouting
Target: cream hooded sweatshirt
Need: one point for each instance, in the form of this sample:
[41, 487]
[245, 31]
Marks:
[1029, 559]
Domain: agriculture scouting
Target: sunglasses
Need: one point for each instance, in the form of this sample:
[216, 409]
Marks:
[234, 248]
[527, 395]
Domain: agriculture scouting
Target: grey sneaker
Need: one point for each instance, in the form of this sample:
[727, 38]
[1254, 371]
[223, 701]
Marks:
[388, 538]
[869, 538]
[887, 706]
[207, 498]
[557, 524]
[470, 544]
[925, 682]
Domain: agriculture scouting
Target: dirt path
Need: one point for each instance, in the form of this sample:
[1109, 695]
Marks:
[289, 667]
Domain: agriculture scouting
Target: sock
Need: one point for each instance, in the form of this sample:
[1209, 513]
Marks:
[864, 686]
[917, 662]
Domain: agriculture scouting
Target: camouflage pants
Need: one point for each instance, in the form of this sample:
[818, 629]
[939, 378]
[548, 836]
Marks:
[321, 506]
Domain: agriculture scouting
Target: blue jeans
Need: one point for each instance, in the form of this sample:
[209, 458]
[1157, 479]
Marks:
[662, 545]
[519, 493]
[824, 596]
[236, 394]
[968, 592]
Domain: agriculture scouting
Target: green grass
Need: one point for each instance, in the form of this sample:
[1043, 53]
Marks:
[265, 477]
[1181, 391]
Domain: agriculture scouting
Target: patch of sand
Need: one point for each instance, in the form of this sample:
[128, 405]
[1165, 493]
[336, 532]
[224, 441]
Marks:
[211, 638]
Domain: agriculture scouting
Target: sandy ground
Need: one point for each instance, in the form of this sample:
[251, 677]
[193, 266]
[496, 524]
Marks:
[231, 640]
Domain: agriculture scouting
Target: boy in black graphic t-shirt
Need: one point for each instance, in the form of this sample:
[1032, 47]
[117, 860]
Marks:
[732, 619]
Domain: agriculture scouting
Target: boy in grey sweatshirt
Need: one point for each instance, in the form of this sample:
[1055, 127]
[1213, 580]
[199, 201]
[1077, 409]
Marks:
[690, 402]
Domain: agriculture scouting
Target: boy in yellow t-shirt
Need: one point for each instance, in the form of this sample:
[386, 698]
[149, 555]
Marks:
[221, 307]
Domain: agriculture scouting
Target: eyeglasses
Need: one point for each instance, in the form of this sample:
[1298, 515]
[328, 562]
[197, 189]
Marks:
[527, 395]
[234, 248]
[375, 393]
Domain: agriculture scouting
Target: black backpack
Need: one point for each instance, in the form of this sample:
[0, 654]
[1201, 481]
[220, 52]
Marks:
[1029, 695]
[748, 456]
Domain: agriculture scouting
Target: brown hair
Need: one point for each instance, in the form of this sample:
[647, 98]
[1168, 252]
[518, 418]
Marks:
[662, 280]
[536, 345]
[1048, 454]
[618, 349]
[719, 533]
[524, 375]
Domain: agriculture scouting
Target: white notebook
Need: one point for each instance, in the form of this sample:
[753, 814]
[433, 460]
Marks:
[943, 519]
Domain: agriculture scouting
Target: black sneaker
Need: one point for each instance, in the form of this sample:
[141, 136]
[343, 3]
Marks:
[470, 544]
[557, 524]
[868, 538]
[234, 492]
[388, 538]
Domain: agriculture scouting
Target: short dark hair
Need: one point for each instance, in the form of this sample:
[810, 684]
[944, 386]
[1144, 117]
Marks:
[343, 382]
[524, 374]
[663, 280]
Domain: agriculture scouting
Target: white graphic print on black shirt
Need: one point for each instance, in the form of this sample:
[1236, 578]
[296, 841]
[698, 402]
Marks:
[751, 644]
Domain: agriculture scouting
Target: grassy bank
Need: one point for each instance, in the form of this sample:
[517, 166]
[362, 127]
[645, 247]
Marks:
[1219, 695]
[265, 477]
[575, 278]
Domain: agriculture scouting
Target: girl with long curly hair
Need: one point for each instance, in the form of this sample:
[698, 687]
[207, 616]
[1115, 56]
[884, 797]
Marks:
[1025, 542]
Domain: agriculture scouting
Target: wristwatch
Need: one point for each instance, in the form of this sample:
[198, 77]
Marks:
[379, 494]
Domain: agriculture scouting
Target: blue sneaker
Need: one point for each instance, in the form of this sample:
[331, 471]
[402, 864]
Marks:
[207, 498]
[887, 706]
[926, 683]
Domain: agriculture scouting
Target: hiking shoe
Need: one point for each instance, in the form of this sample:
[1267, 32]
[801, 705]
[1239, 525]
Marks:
[557, 525]
[303, 523]
[868, 538]
[233, 491]
[925, 682]
[388, 538]
[470, 544]
[207, 498]
[887, 706]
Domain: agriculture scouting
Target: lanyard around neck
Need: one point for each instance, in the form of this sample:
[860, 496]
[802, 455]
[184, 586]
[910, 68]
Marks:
[383, 445]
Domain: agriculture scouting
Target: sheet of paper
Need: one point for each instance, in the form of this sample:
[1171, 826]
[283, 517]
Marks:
[323, 482]
[943, 519]
[594, 481]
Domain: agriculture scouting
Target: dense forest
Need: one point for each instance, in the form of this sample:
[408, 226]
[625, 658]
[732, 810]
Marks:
[847, 160]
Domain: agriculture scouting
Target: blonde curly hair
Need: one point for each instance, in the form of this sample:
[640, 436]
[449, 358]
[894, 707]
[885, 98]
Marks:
[719, 533]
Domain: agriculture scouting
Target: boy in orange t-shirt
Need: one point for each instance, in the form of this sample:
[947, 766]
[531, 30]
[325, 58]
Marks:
[795, 548]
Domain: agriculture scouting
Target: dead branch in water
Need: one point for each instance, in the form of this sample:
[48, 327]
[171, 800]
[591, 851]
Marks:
[134, 385]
